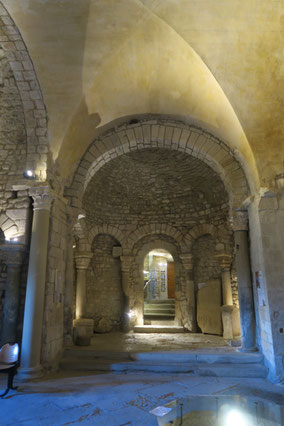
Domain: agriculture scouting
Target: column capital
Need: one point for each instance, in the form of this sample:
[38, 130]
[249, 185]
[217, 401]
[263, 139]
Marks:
[224, 260]
[82, 260]
[240, 220]
[186, 259]
[125, 262]
[42, 197]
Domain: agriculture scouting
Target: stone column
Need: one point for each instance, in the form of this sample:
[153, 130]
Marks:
[240, 227]
[68, 298]
[225, 262]
[128, 320]
[14, 255]
[185, 299]
[35, 292]
[227, 307]
[83, 327]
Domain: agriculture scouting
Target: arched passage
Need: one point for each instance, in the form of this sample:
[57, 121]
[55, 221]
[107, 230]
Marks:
[170, 135]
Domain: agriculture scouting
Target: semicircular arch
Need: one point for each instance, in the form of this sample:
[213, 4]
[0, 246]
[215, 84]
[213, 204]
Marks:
[166, 134]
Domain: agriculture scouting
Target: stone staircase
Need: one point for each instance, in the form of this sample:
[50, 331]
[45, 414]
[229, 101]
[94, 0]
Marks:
[198, 363]
[159, 310]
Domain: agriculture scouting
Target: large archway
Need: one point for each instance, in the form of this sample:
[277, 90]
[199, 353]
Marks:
[154, 191]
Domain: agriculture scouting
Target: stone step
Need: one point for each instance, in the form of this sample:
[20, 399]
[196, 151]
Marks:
[216, 370]
[159, 309]
[158, 329]
[160, 313]
[198, 357]
[161, 302]
[193, 357]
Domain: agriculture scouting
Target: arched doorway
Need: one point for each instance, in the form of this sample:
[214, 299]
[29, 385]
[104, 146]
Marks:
[159, 287]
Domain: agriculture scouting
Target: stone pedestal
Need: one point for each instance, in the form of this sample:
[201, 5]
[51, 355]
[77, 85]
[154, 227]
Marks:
[13, 255]
[83, 331]
[35, 293]
[227, 320]
[236, 322]
[247, 318]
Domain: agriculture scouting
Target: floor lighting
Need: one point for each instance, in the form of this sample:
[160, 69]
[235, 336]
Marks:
[235, 418]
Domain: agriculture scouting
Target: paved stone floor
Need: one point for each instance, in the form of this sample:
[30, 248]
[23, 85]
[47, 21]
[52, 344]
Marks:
[115, 399]
[147, 342]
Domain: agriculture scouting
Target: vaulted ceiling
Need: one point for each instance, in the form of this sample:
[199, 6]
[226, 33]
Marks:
[218, 62]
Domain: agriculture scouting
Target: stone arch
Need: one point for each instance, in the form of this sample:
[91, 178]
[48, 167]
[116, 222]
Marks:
[81, 233]
[8, 227]
[167, 134]
[140, 249]
[30, 93]
[109, 230]
[154, 229]
[200, 230]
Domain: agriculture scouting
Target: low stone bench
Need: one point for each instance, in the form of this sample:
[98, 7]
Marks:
[9, 362]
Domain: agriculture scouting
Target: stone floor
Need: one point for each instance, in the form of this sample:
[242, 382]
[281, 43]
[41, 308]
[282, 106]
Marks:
[113, 399]
[147, 342]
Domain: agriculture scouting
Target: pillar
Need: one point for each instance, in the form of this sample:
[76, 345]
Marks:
[68, 297]
[225, 263]
[227, 307]
[82, 263]
[185, 299]
[128, 319]
[83, 327]
[246, 305]
[35, 292]
[14, 255]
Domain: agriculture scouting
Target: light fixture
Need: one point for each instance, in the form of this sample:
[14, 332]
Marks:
[235, 418]
[15, 240]
[145, 272]
[16, 350]
[130, 313]
[29, 174]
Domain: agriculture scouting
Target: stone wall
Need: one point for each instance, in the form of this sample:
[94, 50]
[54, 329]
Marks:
[13, 148]
[104, 289]
[155, 186]
[266, 224]
[205, 262]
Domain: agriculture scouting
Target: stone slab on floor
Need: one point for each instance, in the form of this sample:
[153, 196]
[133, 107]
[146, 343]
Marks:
[147, 342]
[158, 329]
[114, 399]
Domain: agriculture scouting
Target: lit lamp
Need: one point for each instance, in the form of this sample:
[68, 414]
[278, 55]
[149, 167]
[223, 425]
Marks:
[29, 174]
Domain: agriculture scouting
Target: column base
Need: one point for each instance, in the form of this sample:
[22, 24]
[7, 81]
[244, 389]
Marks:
[25, 374]
[83, 331]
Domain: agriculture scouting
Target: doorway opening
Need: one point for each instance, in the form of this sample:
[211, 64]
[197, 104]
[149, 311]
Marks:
[159, 288]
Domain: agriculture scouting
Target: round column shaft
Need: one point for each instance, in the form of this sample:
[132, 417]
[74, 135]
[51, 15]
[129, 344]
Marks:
[82, 264]
[128, 322]
[35, 292]
[226, 287]
[246, 304]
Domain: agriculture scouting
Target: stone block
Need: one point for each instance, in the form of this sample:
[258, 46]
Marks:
[83, 331]
[227, 320]
[209, 308]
